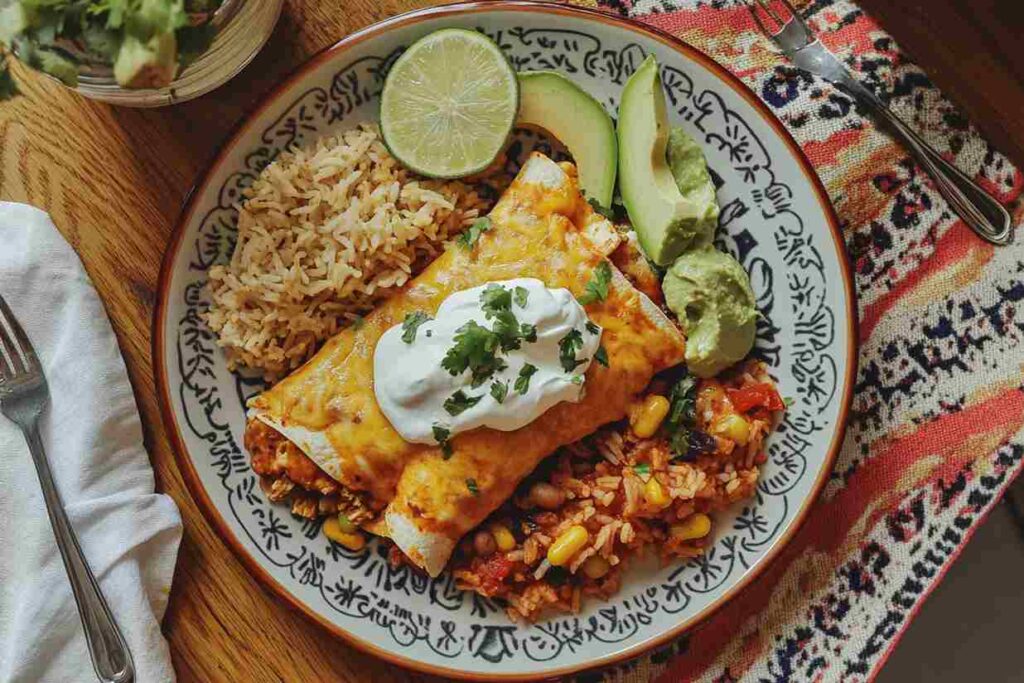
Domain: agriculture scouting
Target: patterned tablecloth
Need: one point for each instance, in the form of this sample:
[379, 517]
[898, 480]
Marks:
[937, 432]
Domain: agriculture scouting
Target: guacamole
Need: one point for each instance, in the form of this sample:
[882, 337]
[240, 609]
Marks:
[690, 171]
[710, 293]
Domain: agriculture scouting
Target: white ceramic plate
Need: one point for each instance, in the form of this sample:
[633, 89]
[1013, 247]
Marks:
[775, 218]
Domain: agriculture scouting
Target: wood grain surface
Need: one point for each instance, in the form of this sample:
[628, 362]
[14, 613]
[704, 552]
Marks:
[114, 180]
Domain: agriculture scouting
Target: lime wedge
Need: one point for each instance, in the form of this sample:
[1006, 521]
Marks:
[449, 103]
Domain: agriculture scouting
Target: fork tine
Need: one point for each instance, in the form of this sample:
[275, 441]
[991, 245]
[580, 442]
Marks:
[28, 355]
[794, 15]
[6, 368]
[767, 5]
[9, 365]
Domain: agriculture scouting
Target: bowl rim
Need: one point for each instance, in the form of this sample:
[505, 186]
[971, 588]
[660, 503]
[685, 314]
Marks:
[213, 515]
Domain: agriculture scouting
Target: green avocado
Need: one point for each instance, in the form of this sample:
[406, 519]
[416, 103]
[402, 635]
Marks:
[668, 220]
[710, 293]
[550, 101]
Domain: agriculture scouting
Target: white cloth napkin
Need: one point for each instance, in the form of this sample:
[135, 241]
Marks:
[93, 438]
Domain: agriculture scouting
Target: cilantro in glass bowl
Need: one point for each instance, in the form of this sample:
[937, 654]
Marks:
[135, 52]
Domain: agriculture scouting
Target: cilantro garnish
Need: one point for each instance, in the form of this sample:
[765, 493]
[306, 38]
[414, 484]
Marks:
[460, 402]
[499, 390]
[441, 435]
[576, 379]
[597, 288]
[521, 296]
[411, 324]
[474, 347]
[495, 299]
[472, 486]
[788, 401]
[642, 469]
[477, 348]
[596, 206]
[482, 373]
[681, 415]
[592, 328]
[468, 239]
[8, 88]
[522, 384]
[601, 356]
[567, 348]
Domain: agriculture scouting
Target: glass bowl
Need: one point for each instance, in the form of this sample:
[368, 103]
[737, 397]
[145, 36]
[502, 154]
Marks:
[242, 28]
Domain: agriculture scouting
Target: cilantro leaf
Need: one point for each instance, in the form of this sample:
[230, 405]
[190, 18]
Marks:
[788, 401]
[494, 300]
[441, 435]
[474, 346]
[472, 486]
[483, 372]
[411, 324]
[499, 390]
[468, 239]
[592, 328]
[459, 402]
[521, 296]
[522, 384]
[597, 288]
[576, 379]
[510, 334]
[642, 469]
[528, 332]
[8, 88]
[596, 206]
[682, 414]
[601, 356]
[567, 348]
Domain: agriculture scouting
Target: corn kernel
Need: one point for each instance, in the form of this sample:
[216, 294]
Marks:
[647, 417]
[333, 531]
[596, 566]
[734, 427]
[568, 544]
[656, 494]
[693, 527]
[504, 538]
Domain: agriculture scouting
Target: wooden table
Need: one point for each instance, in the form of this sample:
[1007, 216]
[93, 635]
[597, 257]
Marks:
[114, 180]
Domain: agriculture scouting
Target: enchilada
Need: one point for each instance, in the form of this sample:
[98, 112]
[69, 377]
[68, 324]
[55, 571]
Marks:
[419, 494]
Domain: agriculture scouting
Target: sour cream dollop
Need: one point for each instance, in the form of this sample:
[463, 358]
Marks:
[418, 394]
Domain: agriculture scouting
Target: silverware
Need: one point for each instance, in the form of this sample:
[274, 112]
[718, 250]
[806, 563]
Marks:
[784, 25]
[23, 396]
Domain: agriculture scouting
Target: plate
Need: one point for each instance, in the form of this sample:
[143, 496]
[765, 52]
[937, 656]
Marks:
[776, 219]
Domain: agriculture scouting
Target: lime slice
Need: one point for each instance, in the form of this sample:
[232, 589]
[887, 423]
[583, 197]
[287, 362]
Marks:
[449, 103]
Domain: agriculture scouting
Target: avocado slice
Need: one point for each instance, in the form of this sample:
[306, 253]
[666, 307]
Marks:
[666, 220]
[550, 101]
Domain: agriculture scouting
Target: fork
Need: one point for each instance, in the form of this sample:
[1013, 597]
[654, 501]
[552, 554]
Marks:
[23, 396]
[784, 25]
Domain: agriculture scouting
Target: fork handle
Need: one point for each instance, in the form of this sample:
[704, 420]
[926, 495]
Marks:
[977, 208]
[111, 658]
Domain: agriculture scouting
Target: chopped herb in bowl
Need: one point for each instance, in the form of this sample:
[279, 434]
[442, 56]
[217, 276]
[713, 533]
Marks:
[144, 43]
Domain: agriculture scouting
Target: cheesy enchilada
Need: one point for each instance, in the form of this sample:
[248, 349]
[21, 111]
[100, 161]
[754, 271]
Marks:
[420, 494]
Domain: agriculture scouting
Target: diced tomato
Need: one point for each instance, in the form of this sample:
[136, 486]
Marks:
[763, 395]
[493, 572]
